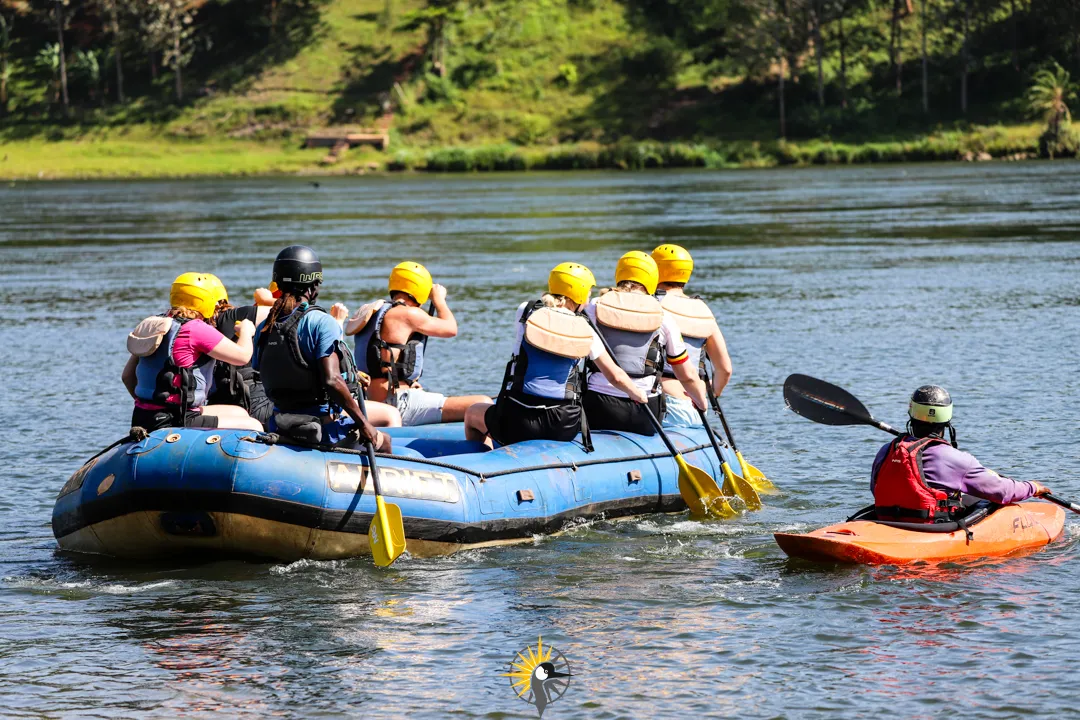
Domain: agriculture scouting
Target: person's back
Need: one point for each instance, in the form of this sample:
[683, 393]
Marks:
[391, 340]
[700, 332]
[921, 477]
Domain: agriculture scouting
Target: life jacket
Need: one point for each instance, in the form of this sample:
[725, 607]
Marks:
[159, 380]
[696, 323]
[233, 383]
[900, 488]
[372, 352]
[290, 381]
[630, 322]
[548, 362]
[547, 365]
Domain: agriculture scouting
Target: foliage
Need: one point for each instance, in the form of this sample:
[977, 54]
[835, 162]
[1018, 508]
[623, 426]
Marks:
[1049, 96]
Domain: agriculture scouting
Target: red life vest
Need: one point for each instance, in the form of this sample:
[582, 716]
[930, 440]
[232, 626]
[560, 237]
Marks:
[900, 489]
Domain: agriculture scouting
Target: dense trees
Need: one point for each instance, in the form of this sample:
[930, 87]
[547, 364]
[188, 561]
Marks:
[806, 66]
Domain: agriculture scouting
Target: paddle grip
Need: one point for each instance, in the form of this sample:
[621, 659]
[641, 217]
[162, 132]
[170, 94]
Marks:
[372, 467]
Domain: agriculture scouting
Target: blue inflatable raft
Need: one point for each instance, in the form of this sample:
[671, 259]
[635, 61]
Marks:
[232, 492]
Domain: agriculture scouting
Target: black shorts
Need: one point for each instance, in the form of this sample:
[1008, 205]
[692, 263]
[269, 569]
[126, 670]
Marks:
[152, 420]
[509, 421]
[607, 412]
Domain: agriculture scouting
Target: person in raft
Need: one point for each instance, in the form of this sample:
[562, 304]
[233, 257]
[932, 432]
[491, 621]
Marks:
[172, 361]
[306, 368]
[699, 330]
[921, 477]
[239, 384]
[642, 335]
[391, 338]
[541, 392]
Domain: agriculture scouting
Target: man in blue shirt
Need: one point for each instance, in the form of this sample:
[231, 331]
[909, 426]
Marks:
[306, 368]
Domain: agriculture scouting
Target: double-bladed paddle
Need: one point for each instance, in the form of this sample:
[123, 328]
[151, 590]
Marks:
[828, 404]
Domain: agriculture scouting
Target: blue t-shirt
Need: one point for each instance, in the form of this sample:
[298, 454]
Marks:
[318, 335]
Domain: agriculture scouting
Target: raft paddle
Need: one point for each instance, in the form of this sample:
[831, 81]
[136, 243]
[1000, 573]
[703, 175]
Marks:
[734, 484]
[386, 534]
[828, 404]
[698, 488]
[754, 477]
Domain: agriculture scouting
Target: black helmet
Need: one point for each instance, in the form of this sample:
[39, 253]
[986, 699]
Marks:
[931, 404]
[297, 266]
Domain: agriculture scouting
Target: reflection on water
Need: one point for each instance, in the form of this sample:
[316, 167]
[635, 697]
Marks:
[879, 279]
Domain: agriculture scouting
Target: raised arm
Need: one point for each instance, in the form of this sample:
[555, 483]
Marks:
[442, 325]
[239, 352]
[716, 347]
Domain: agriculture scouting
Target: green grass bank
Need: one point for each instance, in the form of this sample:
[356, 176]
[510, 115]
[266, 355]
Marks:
[142, 155]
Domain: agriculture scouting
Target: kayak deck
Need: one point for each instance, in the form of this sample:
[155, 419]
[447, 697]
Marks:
[1006, 530]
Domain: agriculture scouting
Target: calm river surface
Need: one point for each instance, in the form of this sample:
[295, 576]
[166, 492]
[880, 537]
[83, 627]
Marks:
[879, 279]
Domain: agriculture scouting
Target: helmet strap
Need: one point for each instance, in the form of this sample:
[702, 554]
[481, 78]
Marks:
[952, 434]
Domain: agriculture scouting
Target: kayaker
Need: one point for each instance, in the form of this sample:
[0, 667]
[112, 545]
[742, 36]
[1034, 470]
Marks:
[699, 331]
[305, 366]
[240, 385]
[171, 367]
[642, 335]
[920, 476]
[541, 392]
[391, 338]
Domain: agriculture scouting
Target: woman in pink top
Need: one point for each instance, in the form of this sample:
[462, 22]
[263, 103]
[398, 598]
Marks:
[171, 367]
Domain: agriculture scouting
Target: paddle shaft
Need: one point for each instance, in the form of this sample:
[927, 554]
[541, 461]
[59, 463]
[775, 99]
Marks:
[712, 436]
[1063, 503]
[373, 469]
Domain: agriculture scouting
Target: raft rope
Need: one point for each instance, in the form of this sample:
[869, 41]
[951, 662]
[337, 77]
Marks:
[136, 434]
[274, 439]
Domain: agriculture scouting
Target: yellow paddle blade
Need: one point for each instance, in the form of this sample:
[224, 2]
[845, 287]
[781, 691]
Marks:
[386, 534]
[701, 493]
[735, 485]
[755, 477]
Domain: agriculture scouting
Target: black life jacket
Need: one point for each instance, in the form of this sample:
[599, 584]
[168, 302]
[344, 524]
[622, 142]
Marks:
[232, 383]
[290, 381]
[372, 351]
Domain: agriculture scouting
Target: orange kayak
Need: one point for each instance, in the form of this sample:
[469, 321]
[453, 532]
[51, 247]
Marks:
[998, 531]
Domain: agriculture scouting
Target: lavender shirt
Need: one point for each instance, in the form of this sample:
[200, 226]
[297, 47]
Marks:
[947, 468]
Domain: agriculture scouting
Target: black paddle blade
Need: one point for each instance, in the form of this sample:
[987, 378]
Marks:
[824, 402]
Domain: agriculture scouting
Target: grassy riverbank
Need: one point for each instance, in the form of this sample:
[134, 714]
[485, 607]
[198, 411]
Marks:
[149, 155]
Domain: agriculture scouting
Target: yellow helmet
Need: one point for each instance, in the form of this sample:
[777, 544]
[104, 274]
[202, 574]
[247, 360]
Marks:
[195, 291]
[639, 267]
[413, 279]
[219, 287]
[674, 263]
[571, 280]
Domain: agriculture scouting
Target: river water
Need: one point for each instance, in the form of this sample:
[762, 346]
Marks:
[878, 279]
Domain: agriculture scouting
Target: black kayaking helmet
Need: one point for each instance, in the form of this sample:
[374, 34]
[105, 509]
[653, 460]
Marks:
[297, 267]
[931, 411]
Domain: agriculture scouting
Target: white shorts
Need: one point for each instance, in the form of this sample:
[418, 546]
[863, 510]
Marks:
[419, 407]
[680, 413]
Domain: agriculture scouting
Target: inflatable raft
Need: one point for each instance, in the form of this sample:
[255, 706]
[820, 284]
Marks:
[992, 530]
[240, 493]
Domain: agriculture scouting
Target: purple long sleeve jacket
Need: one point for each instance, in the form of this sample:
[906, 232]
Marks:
[948, 469]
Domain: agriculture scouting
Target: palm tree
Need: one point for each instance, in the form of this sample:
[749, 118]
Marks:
[1049, 96]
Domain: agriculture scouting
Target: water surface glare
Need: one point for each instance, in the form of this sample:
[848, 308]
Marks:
[879, 279]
